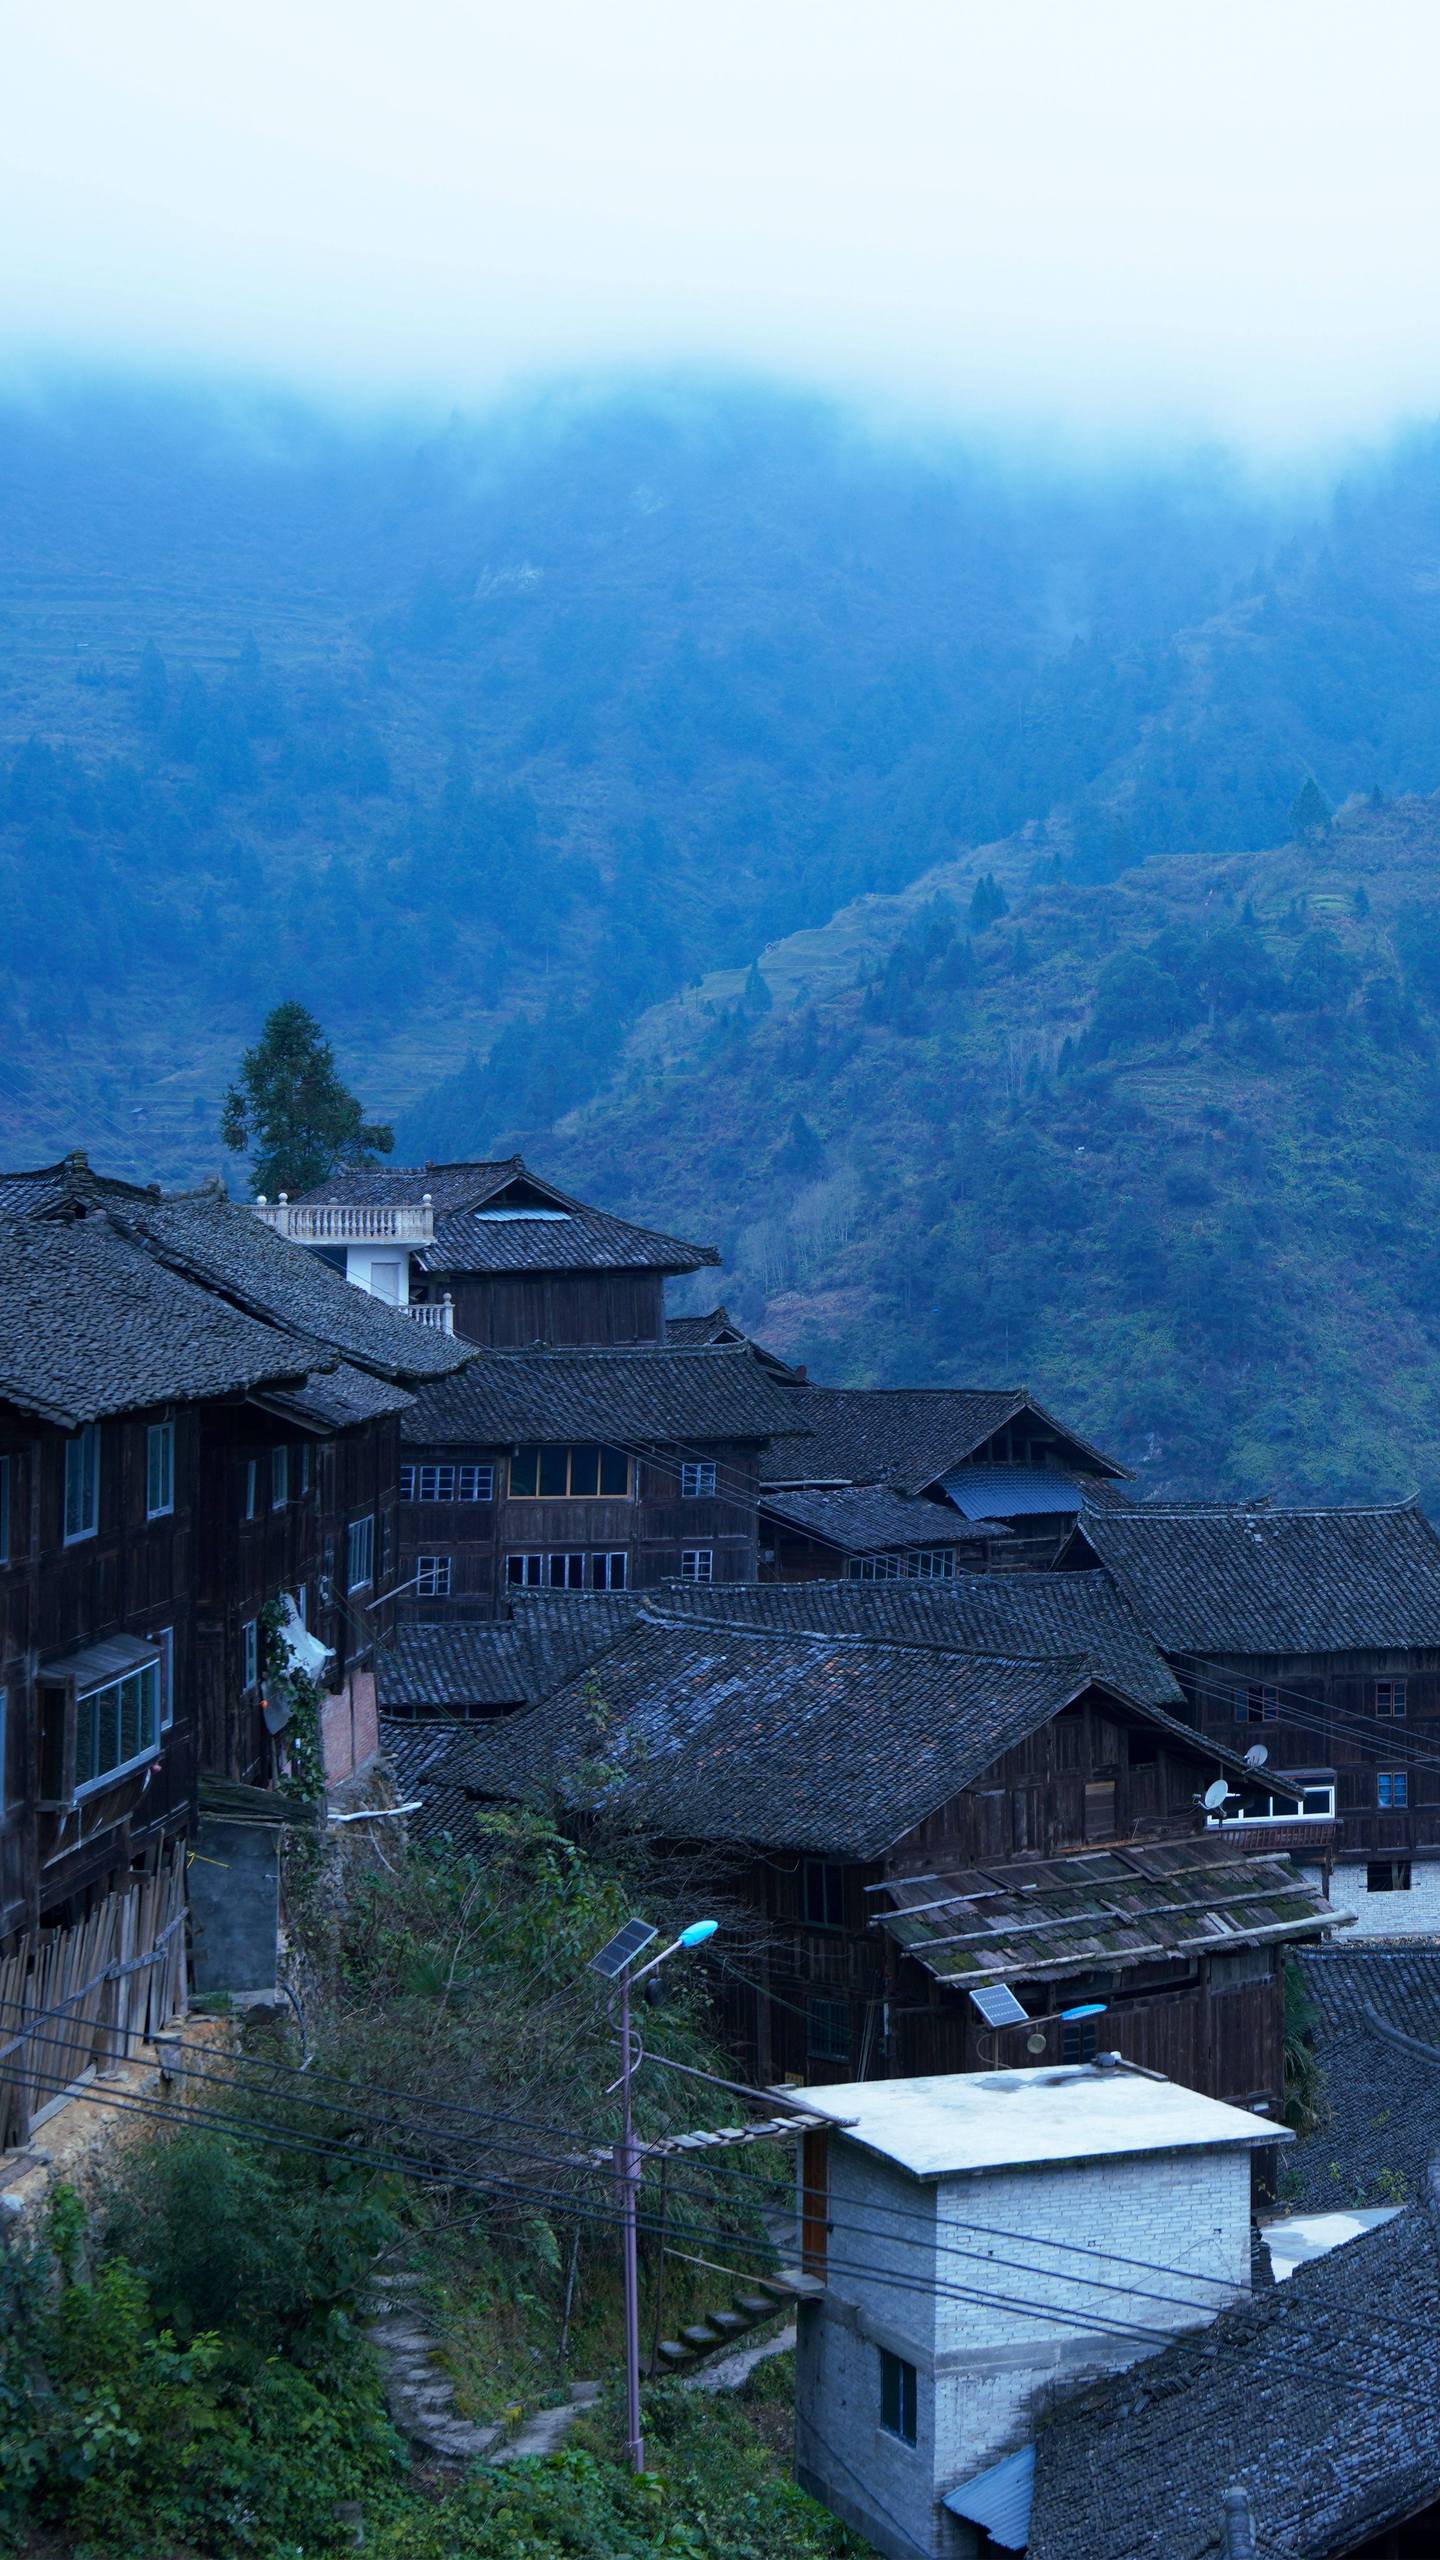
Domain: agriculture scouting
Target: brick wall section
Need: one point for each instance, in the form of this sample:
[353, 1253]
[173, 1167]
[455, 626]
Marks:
[1412, 1914]
[986, 2370]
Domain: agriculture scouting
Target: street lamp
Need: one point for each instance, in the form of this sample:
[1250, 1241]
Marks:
[614, 1962]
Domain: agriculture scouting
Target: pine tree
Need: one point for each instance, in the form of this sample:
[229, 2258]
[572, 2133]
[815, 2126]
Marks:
[757, 997]
[152, 690]
[289, 1103]
[988, 903]
[1310, 816]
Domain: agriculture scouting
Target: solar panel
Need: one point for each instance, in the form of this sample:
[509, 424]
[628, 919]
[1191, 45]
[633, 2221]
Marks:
[998, 2007]
[626, 1943]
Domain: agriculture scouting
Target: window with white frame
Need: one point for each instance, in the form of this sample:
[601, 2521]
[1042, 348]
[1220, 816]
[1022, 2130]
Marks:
[611, 1571]
[117, 1728]
[931, 1564]
[279, 1475]
[252, 1487]
[304, 1466]
[82, 1483]
[1317, 1804]
[1392, 1786]
[697, 1477]
[360, 1554]
[250, 1654]
[564, 1571]
[697, 1564]
[432, 1577]
[444, 1483]
[159, 1470]
[165, 1638]
[873, 1569]
[1390, 1697]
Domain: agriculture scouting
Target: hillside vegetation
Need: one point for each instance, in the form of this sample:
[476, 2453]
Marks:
[1167, 1149]
[485, 739]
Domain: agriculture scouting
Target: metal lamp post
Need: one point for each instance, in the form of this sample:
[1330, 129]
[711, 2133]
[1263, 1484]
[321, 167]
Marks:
[614, 1960]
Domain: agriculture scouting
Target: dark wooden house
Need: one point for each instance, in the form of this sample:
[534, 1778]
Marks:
[231, 1435]
[990, 1454]
[1314, 1636]
[509, 1259]
[595, 1470]
[909, 1823]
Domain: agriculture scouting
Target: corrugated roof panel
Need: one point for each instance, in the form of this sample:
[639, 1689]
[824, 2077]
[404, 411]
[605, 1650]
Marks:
[999, 2499]
[1008, 1493]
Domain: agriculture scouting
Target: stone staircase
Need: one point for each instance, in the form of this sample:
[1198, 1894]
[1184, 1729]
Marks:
[762, 2299]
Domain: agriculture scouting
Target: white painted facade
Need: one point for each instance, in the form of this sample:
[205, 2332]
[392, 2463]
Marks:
[383, 1269]
[1409, 1911]
[1068, 2172]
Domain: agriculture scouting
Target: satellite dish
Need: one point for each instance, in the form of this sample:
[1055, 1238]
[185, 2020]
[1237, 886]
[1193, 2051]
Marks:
[1215, 1795]
[1256, 1756]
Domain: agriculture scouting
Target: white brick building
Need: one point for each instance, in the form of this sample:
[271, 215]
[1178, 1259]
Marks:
[980, 2239]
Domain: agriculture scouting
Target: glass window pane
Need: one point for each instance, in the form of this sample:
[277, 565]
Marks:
[585, 1469]
[614, 1471]
[553, 1470]
[525, 1473]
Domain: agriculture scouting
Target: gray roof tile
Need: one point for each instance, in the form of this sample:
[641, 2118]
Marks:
[906, 1437]
[630, 1396]
[582, 1239]
[1271, 1581]
[1034, 1614]
[91, 1325]
[224, 1246]
[1320, 2397]
[860, 1519]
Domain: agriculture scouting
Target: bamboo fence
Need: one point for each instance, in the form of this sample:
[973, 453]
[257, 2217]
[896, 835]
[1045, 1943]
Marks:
[76, 2001]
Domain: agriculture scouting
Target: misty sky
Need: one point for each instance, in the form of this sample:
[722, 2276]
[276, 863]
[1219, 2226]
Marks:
[1100, 213]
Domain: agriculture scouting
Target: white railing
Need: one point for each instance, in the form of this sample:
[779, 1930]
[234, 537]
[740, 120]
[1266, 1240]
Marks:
[360, 1222]
[439, 1314]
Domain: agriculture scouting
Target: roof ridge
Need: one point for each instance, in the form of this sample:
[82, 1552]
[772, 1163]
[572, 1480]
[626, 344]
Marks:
[849, 1636]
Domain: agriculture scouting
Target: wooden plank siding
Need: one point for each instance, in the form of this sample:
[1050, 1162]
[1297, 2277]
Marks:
[651, 1527]
[1215, 2024]
[1324, 1687]
[509, 1311]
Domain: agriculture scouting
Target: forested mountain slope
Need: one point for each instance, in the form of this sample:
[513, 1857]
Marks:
[485, 739]
[1166, 1149]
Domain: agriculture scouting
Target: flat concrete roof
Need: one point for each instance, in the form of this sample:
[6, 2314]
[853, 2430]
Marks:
[970, 2121]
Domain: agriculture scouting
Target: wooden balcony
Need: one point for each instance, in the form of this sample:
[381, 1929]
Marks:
[349, 1222]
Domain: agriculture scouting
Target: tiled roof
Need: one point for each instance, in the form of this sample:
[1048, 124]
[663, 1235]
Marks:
[719, 1327]
[72, 1185]
[224, 1245]
[91, 1325]
[582, 1239]
[906, 1437]
[1032, 1918]
[1034, 1614]
[718, 1732]
[1320, 2397]
[337, 1397]
[638, 1395]
[860, 1519]
[1272, 1581]
[453, 1666]
[1379, 2107]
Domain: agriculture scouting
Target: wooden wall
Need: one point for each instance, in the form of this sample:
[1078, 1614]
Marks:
[1215, 2025]
[511, 1310]
[651, 1527]
[1321, 1686]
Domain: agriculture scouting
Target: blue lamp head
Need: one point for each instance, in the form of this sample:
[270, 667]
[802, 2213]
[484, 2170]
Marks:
[697, 1933]
[1087, 2009]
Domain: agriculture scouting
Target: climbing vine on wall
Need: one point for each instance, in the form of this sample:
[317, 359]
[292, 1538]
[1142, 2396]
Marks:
[288, 1686]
